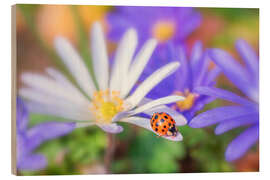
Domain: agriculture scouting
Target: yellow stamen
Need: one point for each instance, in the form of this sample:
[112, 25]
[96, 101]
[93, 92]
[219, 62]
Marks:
[105, 105]
[188, 102]
[163, 30]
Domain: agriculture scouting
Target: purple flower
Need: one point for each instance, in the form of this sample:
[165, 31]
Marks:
[28, 139]
[193, 72]
[162, 23]
[246, 111]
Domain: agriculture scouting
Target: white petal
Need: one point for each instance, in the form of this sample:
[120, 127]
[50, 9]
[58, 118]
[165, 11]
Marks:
[148, 84]
[111, 128]
[139, 121]
[99, 56]
[46, 104]
[178, 117]
[137, 67]
[67, 113]
[49, 86]
[121, 115]
[180, 120]
[123, 57]
[145, 123]
[61, 79]
[84, 124]
[178, 137]
[75, 65]
[158, 102]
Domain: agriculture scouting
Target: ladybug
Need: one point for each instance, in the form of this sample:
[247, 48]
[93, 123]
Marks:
[163, 124]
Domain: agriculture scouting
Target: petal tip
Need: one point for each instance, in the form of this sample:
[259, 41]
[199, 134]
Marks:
[194, 124]
[111, 128]
[218, 131]
[96, 25]
[58, 41]
[132, 32]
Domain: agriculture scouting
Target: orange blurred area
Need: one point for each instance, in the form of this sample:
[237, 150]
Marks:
[249, 163]
[59, 20]
[55, 20]
[207, 31]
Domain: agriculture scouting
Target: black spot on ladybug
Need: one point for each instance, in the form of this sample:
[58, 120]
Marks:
[172, 120]
[162, 130]
[164, 126]
[152, 124]
[173, 129]
[166, 117]
[156, 116]
[170, 124]
[156, 129]
[156, 124]
[162, 120]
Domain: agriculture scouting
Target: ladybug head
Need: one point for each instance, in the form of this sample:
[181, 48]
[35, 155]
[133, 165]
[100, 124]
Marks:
[172, 131]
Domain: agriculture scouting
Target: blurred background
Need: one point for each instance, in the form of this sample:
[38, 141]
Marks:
[135, 150]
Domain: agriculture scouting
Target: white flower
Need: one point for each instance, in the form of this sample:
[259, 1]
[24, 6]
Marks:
[112, 101]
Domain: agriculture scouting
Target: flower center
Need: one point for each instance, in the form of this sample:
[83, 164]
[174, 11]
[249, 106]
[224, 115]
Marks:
[105, 105]
[188, 103]
[163, 30]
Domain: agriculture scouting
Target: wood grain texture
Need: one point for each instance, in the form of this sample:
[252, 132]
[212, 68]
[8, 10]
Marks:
[13, 89]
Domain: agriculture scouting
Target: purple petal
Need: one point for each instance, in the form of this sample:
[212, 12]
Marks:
[46, 131]
[111, 128]
[233, 70]
[236, 122]
[21, 115]
[211, 76]
[249, 56]
[239, 146]
[219, 114]
[22, 148]
[202, 72]
[195, 58]
[185, 71]
[199, 63]
[200, 103]
[223, 94]
[32, 162]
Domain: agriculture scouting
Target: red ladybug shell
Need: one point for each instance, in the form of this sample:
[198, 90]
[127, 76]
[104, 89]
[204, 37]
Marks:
[163, 124]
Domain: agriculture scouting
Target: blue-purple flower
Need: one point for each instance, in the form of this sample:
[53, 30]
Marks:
[28, 139]
[194, 72]
[162, 23]
[245, 111]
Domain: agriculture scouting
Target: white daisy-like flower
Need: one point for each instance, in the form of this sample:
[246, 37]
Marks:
[112, 101]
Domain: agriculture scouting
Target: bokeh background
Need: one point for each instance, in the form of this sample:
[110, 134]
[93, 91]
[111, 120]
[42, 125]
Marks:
[135, 150]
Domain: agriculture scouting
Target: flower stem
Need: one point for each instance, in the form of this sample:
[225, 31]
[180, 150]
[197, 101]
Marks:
[108, 156]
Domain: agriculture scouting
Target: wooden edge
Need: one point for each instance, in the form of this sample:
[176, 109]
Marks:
[13, 89]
